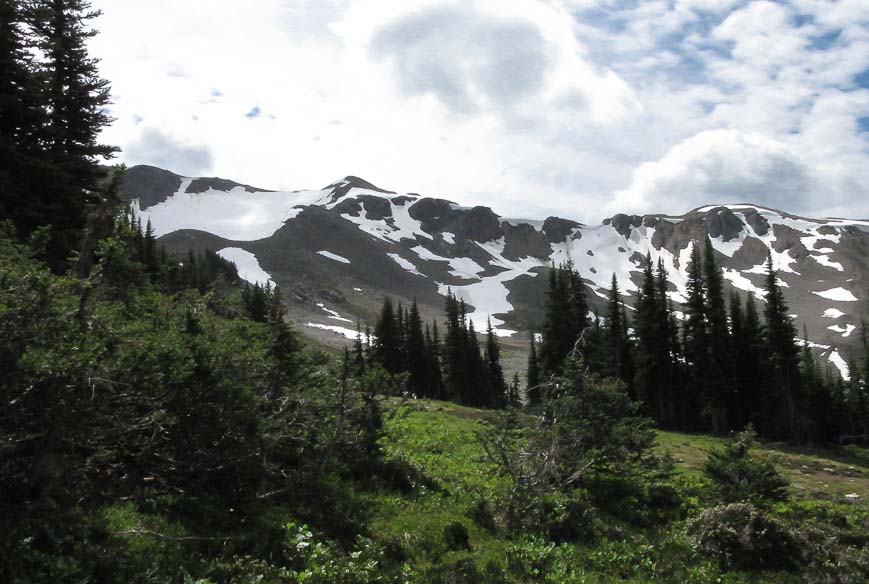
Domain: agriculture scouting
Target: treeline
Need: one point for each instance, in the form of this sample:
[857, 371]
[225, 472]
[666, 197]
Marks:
[456, 368]
[720, 367]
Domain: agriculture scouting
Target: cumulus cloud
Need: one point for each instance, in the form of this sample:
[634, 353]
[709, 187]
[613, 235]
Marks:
[722, 166]
[535, 107]
[155, 148]
[465, 59]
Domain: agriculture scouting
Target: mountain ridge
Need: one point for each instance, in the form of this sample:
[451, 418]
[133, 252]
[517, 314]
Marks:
[352, 242]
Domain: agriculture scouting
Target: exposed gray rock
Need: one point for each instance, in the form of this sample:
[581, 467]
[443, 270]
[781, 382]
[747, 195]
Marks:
[149, 184]
[201, 185]
[557, 229]
[623, 223]
[722, 222]
[523, 240]
[757, 221]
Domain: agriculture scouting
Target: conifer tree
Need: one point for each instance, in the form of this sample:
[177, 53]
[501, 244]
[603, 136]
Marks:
[532, 376]
[75, 99]
[417, 356]
[21, 121]
[719, 397]
[434, 376]
[558, 328]
[476, 391]
[387, 345]
[648, 358]
[284, 348]
[784, 360]
[513, 392]
[359, 360]
[695, 341]
[619, 360]
[455, 354]
[497, 387]
[669, 348]
[577, 301]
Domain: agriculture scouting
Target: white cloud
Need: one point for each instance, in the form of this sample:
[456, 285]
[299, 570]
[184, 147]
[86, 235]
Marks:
[534, 107]
[717, 166]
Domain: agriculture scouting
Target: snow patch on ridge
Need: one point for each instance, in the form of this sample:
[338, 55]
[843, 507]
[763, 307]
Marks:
[838, 294]
[845, 331]
[248, 266]
[333, 256]
[461, 267]
[405, 264]
[343, 331]
[489, 296]
[833, 313]
[332, 314]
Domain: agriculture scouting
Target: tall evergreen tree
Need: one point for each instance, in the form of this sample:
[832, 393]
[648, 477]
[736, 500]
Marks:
[719, 396]
[619, 363]
[558, 328]
[476, 390]
[359, 361]
[417, 356]
[783, 391]
[455, 353]
[387, 345]
[577, 301]
[532, 377]
[695, 342]
[495, 383]
[21, 121]
[76, 101]
[434, 377]
[648, 363]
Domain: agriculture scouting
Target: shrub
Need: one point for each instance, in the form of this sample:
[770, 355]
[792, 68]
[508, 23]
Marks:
[740, 536]
[456, 536]
[576, 521]
[738, 476]
[481, 514]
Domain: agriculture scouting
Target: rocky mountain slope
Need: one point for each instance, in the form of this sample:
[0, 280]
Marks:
[336, 251]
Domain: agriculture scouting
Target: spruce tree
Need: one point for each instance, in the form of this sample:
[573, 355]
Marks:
[359, 364]
[513, 392]
[577, 302]
[434, 377]
[719, 395]
[558, 328]
[619, 363]
[455, 355]
[417, 356]
[532, 377]
[648, 364]
[784, 359]
[387, 345]
[76, 101]
[21, 121]
[695, 342]
[669, 349]
[495, 383]
[476, 391]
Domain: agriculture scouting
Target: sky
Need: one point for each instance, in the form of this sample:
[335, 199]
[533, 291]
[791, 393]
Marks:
[572, 108]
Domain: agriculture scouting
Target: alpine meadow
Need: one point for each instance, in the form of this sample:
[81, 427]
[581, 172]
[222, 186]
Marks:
[206, 382]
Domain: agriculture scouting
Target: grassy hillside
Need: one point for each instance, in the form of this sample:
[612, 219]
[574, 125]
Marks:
[438, 440]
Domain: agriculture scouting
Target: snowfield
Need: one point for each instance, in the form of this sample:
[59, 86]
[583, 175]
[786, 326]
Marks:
[837, 294]
[333, 256]
[597, 252]
[248, 266]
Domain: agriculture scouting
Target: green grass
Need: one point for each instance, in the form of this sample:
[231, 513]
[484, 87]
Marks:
[439, 440]
[820, 472]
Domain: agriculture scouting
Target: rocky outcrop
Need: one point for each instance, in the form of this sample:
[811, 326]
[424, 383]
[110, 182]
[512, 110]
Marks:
[150, 185]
